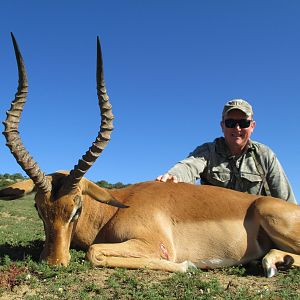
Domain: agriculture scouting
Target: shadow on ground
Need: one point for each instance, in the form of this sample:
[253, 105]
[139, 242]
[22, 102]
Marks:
[20, 252]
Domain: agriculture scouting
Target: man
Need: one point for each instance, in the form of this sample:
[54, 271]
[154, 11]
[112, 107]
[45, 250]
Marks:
[234, 161]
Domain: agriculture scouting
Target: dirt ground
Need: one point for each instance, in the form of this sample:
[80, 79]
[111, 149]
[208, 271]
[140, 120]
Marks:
[254, 283]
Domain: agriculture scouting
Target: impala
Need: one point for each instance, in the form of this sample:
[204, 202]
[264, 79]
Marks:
[162, 226]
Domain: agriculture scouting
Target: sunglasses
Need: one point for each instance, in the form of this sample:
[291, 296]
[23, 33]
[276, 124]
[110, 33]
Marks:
[243, 123]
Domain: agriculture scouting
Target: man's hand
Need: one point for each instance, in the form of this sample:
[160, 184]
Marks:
[167, 176]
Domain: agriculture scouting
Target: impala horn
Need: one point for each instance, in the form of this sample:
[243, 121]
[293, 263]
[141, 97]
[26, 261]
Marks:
[104, 133]
[11, 132]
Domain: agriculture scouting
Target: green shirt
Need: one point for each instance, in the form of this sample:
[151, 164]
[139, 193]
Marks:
[213, 164]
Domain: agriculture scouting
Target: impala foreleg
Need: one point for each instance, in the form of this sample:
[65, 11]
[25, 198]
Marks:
[132, 254]
[17, 190]
[277, 259]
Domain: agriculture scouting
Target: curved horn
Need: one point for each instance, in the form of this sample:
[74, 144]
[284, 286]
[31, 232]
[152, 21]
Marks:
[106, 127]
[11, 132]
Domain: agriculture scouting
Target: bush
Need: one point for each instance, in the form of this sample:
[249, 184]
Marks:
[106, 185]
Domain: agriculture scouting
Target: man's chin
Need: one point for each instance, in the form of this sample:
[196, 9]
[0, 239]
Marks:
[237, 142]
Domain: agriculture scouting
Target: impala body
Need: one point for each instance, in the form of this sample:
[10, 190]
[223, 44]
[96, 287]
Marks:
[165, 226]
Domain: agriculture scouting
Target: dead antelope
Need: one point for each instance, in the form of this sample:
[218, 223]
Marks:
[162, 226]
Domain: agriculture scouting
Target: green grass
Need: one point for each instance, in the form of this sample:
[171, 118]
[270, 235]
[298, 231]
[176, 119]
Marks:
[23, 277]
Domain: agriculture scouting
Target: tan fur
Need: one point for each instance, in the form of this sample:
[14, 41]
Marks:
[166, 225]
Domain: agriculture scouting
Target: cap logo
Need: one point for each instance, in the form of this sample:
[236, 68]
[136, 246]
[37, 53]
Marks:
[238, 104]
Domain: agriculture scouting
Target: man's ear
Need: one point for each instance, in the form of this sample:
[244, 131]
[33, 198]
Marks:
[222, 125]
[99, 194]
[17, 190]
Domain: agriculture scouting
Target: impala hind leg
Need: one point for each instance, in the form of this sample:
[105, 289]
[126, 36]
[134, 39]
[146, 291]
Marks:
[281, 221]
[132, 254]
[277, 259]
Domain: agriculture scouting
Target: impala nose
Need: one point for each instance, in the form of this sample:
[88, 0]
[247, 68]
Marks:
[57, 261]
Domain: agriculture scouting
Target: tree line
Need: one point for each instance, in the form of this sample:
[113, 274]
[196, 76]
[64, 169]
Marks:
[7, 179]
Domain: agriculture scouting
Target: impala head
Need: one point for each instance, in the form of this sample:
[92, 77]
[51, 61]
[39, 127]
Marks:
[59, 196]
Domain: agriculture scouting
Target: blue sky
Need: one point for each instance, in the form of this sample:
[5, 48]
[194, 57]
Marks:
[169, 68]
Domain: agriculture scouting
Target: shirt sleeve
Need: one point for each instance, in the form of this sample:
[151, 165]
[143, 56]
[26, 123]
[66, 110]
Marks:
[190, 169]
[277, 180]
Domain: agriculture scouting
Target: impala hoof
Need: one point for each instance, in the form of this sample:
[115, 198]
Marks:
[270, 269]
[188, 265]
[270, 272]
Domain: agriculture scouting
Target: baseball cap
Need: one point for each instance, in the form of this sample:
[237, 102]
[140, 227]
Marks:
[239, 104]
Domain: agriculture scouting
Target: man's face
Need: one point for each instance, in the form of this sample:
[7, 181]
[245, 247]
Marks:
[237, 137]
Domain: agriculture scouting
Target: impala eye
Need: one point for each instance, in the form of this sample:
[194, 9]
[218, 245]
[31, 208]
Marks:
[78, 202]
[77, 214]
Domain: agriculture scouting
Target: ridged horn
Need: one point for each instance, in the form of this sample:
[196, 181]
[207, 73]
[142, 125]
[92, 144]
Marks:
[104, 133]
[11, 124]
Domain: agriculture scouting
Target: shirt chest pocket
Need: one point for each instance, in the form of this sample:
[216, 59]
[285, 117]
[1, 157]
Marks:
[219, 177]
[252, 183]
[254, 178]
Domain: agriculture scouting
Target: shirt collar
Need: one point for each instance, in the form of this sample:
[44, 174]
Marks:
[223, 150]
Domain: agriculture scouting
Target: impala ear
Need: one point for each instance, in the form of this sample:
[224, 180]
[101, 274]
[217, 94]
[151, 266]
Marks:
[99, 194]
[17, 190]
